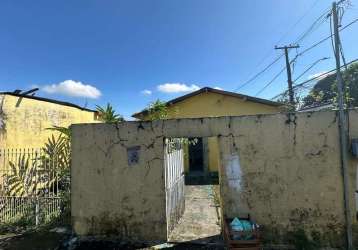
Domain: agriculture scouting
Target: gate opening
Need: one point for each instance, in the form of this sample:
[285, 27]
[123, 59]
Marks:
[192, 190]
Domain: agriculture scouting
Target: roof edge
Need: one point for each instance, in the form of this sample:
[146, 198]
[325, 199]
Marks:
[48, 100]
[217, 91]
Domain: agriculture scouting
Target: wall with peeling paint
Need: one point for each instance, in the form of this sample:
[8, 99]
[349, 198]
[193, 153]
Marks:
[111, 195]
[283, 169]
[23, 121]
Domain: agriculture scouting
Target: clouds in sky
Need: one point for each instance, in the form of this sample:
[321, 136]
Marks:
[174, 88]
[146, 92]
[73, 88]
[177, 87]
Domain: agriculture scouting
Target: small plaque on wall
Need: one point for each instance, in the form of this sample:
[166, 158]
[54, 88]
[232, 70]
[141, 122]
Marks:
[133, 155]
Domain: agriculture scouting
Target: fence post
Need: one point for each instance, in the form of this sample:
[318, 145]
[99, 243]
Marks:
[37, 212]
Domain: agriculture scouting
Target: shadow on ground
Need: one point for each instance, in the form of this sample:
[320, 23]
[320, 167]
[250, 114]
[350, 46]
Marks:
[45, 240]
[36, 240]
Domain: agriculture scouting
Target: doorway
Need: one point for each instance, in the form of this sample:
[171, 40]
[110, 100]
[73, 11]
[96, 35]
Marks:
[196, 159]
[193, 209]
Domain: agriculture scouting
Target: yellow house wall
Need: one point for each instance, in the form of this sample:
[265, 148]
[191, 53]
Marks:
[24, 120]
[213, 105]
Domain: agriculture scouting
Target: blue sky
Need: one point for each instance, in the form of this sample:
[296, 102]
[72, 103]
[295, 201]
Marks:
[96, 52]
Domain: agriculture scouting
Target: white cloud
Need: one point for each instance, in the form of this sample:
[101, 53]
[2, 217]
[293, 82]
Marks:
[177, 87]
[73, 88]
[318, 75]
[218, 88]
[146, 92]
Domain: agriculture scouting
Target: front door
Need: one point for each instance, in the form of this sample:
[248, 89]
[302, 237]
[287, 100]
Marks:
[196, 162]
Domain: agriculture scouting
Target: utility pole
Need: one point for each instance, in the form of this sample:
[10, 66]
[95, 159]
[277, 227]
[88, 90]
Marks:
[342, 129]
[288, 68]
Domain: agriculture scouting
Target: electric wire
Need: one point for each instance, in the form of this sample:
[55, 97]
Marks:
[310, 67]
[301, 37]
[270, 82]
[318, 77]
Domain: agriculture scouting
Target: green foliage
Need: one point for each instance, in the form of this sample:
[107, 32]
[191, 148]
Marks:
[22, 180]
[64, 131]
[108, 114]
[325, 90]
[288, 107]
[157, 110]
[57, 152]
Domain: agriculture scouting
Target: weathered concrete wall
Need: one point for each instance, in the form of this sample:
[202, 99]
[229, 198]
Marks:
[210, 104]
[110, 196]
[283, 169]
[23, 121]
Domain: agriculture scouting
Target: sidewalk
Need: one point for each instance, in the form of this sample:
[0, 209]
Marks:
[200, 222]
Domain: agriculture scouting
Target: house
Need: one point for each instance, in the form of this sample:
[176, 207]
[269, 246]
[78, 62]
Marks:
[24, 118]
[318, 107]
[202, 159]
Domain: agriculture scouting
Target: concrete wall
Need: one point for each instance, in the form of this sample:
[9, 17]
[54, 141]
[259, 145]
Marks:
[23, 121]
[214, 105]
[110, 196]
[283, 169]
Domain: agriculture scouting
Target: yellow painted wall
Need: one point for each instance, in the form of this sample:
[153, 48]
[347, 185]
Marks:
[211, 104]
[24, 120]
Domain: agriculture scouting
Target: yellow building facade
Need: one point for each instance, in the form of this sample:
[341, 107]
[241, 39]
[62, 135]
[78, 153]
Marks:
[209, 102]
[24, 119]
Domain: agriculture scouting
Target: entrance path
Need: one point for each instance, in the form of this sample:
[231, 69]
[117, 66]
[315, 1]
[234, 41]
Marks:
[200, 222]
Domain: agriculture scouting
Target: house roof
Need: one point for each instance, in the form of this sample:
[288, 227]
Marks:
[317, 107]
[217, 91]
[46, 100]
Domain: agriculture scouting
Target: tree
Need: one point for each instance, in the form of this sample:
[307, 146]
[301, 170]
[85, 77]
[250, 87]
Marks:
[157, 110]
[108, 114]
[325, 90]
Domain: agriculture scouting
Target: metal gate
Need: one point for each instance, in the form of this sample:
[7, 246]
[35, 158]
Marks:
[29, 185]
[174, 181]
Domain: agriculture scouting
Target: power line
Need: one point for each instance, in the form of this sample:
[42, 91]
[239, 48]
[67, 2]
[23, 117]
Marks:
[324, 39]
[298, 21]
[318, 77]
[301, 37]
[310, 67]
[270, 82]
[288, 68]
[318, 22]
[315, 45]
[259, 73]
[289, 30]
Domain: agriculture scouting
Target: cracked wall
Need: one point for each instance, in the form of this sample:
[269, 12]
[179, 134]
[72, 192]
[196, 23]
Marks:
[283, 169]
[112, 195]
